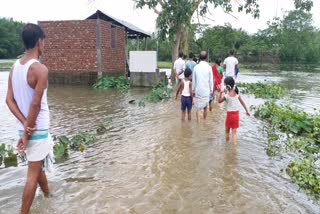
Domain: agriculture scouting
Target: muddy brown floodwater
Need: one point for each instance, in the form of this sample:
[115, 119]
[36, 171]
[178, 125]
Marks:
[149, 162]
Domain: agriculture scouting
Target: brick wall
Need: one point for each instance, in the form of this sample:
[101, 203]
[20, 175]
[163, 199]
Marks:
[71, 53]
[113, 59]
[70, 46]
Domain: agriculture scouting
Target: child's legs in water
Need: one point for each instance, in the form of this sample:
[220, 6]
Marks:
[183, 115]
[227, 134]
[234, 136]
[189, 115]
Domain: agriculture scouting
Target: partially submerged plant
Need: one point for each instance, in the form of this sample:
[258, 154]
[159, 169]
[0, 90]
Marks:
[112, 82]
[263, 89]
[300, 133]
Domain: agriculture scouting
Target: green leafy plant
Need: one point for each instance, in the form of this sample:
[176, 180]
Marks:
[60, 149]
[263, 89]
[112, 82]
[159, 92]
[291, 130]
[305, 173]
[10, 158]
[2, 152]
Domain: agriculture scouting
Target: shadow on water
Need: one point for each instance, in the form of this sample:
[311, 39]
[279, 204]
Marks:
[150, 162]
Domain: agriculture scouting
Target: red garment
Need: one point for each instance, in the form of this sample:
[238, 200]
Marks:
[217, 78]
[232, 120]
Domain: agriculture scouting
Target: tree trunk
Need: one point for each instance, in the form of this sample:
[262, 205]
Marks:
[175, 51]
[184, 42]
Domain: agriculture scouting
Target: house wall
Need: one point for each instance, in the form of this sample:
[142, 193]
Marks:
[113, 59]
[71, 51]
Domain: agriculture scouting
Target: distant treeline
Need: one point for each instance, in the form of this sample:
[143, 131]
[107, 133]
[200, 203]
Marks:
[11, 44]
[290, 39]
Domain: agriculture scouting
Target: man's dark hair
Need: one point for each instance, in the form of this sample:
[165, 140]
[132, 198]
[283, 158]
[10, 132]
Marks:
[191, 55]
[231, 52]
[181, 54]
[187, 72]
[203, 55]
[31, 33]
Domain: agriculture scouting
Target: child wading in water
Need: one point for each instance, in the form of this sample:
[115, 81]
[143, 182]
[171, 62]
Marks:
[232, 98]
[185, 88]
[217, 71]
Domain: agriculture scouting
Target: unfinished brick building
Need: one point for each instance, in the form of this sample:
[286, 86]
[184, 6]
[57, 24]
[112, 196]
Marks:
[78, 51]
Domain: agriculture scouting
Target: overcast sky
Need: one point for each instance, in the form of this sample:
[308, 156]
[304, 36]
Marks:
[44, 10]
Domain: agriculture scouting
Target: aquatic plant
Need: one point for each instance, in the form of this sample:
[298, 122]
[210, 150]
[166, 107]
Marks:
[291, 130]
[263, 89]
[304, 172]
[112, 82]
[159, 92]
[60, 149]
[2, 152]
[75, 143]
[289, 120]
[8, 156]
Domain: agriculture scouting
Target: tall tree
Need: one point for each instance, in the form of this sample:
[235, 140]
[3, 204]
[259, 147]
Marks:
[10, 40]
[175, 16]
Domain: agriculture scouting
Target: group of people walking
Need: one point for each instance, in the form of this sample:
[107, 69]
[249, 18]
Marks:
[199, 84]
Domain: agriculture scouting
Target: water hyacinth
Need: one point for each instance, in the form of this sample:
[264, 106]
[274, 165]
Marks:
[301, 136]
[263, 89]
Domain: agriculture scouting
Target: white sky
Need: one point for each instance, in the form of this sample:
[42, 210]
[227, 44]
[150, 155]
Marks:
[43, 10]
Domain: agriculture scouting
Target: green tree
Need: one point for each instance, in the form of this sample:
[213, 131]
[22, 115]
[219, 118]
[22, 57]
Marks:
[10, 38]
[175, 16]
[297, 39]
[220, 39]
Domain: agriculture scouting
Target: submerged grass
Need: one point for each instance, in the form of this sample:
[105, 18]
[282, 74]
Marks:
[294, 131]
[112, 82]
[263, 89]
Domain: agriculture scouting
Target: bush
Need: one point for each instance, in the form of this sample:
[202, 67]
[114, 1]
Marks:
[112, 82]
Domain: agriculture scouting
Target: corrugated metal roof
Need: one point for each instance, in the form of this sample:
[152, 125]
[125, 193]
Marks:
[131, 29]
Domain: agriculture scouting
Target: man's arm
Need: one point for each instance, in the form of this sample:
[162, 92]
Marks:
[211, 81]
[41, 80]
[11, 103]
[221, 98]
[179, 89]
[194, 81]
[190, 89]
[175, 68]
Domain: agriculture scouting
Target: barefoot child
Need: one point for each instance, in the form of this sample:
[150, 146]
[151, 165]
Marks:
[185, 88]
[232, 98]
[217, 71]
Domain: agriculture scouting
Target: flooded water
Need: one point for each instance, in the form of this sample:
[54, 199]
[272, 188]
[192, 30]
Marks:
[150, 162]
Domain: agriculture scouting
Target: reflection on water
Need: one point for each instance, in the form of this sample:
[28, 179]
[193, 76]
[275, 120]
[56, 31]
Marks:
[150, 162]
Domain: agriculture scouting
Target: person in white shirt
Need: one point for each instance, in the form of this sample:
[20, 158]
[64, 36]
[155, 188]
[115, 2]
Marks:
[178, 68]
[27, 100]
[202, 85]
[230, 64]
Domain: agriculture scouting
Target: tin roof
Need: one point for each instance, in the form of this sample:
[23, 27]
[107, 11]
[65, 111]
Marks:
[131, 29]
